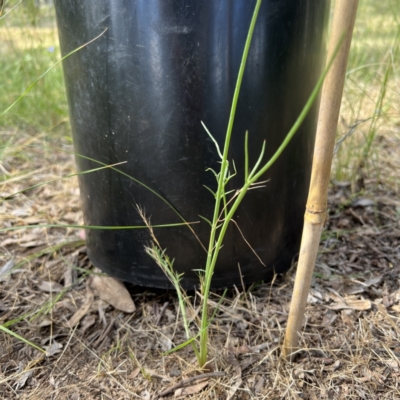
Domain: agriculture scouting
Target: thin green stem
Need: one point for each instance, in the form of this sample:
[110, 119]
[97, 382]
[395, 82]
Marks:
[220, 190]
[246, 156]
[64, 177]
[22, 339]
[107, 228]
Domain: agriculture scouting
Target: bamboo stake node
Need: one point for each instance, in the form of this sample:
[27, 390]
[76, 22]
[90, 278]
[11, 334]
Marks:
[316, 217]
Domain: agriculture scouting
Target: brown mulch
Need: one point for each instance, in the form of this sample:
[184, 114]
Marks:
[350, 342]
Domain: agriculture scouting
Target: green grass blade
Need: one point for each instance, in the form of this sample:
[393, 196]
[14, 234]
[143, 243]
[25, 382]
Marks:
[257, 164]
[180, 346]
[213, 139]
[48, 250]
[22, 339]
[94, 227]
[63, 177]
[32, 85]
[8, 12]
[210, 190]
[206, 219]
[246, 156]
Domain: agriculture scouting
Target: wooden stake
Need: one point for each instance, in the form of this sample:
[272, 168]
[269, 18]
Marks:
[316, 208]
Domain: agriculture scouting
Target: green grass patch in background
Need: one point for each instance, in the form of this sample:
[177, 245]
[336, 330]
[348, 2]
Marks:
[371, 97]
[29, 46]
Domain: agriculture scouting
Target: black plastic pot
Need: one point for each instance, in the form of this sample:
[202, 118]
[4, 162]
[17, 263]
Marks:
[138, 93]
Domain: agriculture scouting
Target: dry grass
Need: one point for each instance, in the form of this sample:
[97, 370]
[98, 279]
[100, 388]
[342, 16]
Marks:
[351, 340]
[27, 37]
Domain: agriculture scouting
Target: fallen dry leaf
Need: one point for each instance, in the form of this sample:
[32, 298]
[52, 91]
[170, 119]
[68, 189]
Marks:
[44, 322]
[376, 280]
[87, 322]
[352, 304]
[394, 364]
[334, 367]
[367, 375]
[81, 312]
[33, 220]
[329, 318]
[134, 373]
[359, 304]
[53, 349]
[165, 342]
[33, 243]
[299, 373]
[244, 349]
[5, 269]
[396, 308]
[363, 203]
[50, 287]
[18, 240]
[21, 212]
[21, 382]
[191, 389]
[312, 300]
[145, 395]
[71, 217]
[361, 287]
[113, 292]
[259, 386]
[68, 277]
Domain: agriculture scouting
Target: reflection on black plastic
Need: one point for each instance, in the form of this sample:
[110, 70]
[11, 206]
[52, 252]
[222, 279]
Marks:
[138, 94]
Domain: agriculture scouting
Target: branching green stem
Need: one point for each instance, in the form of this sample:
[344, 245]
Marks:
[217, 236]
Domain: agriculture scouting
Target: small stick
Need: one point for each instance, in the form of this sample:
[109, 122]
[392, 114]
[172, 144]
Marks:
[105, 333]
[190, 380]
[316, 209]
[161, 313]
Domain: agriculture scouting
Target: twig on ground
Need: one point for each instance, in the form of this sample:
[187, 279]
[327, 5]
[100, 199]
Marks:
[105, 333]
[190, 380]
[161, 313]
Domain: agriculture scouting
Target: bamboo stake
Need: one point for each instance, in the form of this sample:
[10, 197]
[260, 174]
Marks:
[316, 208]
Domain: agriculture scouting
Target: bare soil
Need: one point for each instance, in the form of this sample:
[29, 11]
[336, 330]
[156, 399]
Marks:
[350, 343]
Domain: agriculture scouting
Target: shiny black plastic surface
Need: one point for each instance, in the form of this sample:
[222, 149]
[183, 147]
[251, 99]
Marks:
[138, 94]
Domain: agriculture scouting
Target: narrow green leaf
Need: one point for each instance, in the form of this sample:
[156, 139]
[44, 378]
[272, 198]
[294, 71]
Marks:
[206, 219]
[215, 174]
[212, 138]
[94, 227]
[63, 177]
[210, 190]
[260, 157]
[22, 339]
[246, 156]
[180, 346]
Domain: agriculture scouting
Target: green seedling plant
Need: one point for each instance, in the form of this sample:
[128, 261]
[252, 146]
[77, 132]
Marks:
[224, 208]
[226, 204]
